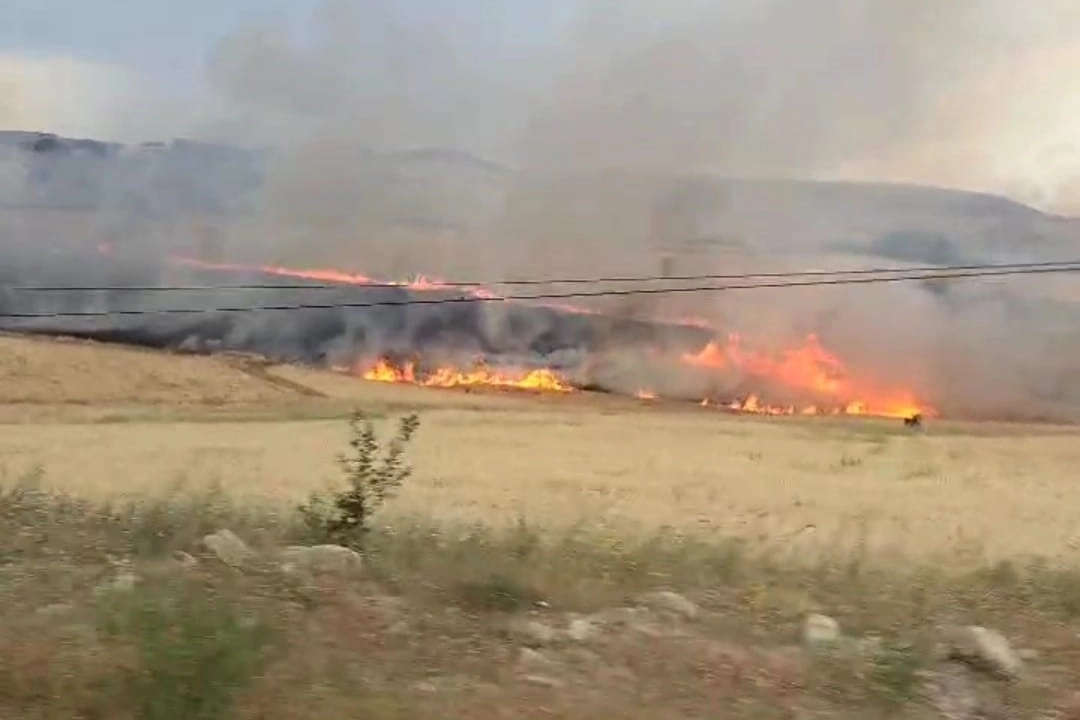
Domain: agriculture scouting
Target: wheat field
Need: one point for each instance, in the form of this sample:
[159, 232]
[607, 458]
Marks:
[103, 422]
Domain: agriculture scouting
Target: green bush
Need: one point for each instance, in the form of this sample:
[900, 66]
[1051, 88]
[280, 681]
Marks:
[372, 475]
[195, 650]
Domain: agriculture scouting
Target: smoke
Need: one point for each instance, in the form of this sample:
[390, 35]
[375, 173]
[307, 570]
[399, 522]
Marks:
[392, 140]
[974, 94]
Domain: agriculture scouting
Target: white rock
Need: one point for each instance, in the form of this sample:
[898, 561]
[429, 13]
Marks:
[581, 629]
[544, 681]
[533, 633]
[671, 602]
[185, 560]
[622, 616]
[228, 548]
[321, 559]
[122, 583]
[983, 649]
[820, 631]
[530, 660]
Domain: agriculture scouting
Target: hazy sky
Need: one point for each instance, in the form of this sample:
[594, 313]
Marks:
[129, 68]
[979, 94]
[169, 39]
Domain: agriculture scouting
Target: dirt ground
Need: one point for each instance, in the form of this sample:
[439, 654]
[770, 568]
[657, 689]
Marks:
[104, 421]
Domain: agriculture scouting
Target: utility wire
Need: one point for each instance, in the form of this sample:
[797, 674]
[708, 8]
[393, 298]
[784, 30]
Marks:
[522, 283]
[1058, 268]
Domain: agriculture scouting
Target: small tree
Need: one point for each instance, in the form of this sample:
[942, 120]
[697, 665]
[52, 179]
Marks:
[372, 477]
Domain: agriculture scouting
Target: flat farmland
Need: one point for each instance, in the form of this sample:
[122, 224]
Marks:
[102, 421]
[569, 556]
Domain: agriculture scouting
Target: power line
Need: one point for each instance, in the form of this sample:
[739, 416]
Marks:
[1073, 267]
[527, 282]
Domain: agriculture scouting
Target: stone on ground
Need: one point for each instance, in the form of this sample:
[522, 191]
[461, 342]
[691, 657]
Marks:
[671, 602]
[333, 559]
[228, 548]
[983, 649]
[533, 633]
[820, 632]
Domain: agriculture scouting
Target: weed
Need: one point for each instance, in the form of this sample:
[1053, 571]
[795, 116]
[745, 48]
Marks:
[895, 674]
[850, 461]
[196, 651]
[1056, 589]
[371, 476]
[499, 592]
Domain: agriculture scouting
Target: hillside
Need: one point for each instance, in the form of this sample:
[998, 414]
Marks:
[418, 196]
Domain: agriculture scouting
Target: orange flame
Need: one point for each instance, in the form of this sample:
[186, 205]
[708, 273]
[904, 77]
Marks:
[808, 369]
[541, 380]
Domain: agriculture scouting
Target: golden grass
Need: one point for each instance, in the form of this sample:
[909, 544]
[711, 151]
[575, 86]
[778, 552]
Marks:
[799, 483]
[428, 629]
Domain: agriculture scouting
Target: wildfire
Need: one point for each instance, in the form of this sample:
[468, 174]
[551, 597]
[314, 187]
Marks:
[808, 369]
[540, 380]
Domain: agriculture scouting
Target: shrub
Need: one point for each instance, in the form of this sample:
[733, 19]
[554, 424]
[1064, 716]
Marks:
[196, 651]
[372, 475]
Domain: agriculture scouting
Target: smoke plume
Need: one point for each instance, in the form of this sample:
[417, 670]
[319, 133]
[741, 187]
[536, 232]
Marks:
[639, 138]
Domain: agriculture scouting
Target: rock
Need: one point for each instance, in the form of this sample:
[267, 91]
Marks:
[185, 560]
[983, 649]
[622, 617]
[533, 633]
[544, 681]
[640, 620]
[122, 583]
[581, 630]
[318, 559]
[672, 602]
[820, 632]
[229, 549]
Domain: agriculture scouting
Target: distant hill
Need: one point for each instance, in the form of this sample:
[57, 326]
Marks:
[434, 190]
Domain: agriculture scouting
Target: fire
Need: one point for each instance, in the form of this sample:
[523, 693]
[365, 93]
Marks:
[807, 370]
[383, 371]
[811, 370]
[419, 283]
[540, 380]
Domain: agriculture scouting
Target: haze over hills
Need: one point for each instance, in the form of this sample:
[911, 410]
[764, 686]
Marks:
[434, 191]
[448, 213]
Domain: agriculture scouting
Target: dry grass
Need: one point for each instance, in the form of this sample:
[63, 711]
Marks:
[581, 502]
[1005, 490]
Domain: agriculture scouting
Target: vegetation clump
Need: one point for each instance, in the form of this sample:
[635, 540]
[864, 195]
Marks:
[373, 473]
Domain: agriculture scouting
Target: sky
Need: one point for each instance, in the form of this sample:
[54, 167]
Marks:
[106, 62]
[169, 40]
[978, 94]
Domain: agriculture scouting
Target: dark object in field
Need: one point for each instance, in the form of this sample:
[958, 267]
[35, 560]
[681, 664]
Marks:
[914, 421]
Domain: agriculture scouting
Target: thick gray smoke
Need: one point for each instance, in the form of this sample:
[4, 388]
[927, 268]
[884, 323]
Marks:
[394, 142]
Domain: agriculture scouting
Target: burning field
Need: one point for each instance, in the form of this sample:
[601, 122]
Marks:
[433, 334]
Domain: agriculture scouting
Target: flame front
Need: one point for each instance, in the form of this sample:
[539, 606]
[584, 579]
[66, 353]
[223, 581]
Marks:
[540, 380]
[809, 370]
